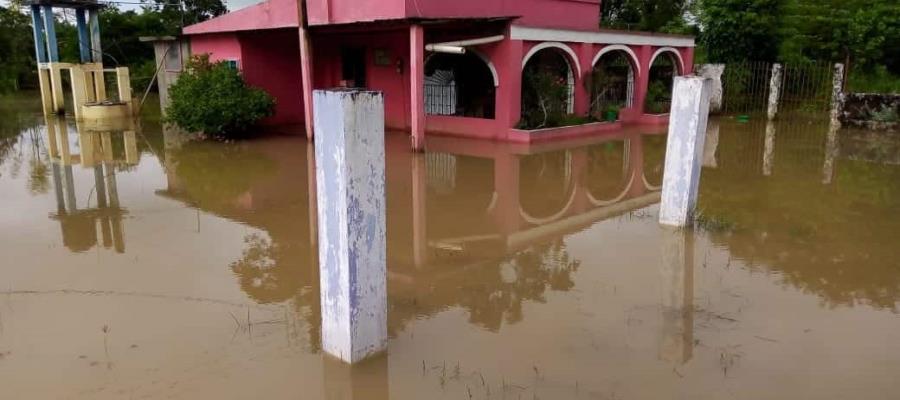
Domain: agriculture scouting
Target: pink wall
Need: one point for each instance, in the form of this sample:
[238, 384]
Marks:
[571, 14]
[271, 61]
[386, 78]
[219, 46]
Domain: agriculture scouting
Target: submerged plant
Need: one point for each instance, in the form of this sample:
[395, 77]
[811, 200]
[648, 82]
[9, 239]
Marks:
[212, 98]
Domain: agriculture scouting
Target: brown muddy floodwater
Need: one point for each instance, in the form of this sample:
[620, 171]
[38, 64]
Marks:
[143, 266]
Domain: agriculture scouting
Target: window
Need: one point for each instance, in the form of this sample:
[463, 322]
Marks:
[353, 66]
[233, 64]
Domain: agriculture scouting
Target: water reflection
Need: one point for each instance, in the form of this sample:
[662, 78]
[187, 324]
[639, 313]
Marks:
[803, 205]
[97, 153]
[532, 271]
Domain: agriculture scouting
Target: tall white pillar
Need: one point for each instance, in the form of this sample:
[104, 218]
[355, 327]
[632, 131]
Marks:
[684, 150]
[350, 178]
[775, 90]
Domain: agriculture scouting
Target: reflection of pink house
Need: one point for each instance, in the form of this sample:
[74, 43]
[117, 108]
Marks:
[410, 50]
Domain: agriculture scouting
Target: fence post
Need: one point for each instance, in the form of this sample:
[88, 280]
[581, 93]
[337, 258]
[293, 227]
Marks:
[349, 145]
[684, 151]
[837, 94]
[775, 90]
[714, 72]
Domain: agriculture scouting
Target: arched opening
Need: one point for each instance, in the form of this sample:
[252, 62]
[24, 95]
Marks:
[546, 187]
[612, 82]
[548, 88]
[460, 85]
[609, 173]
[664, 67]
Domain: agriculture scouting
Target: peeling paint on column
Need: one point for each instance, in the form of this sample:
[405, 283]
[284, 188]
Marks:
[684, 150]
[714, 72]
[775, 90]
[350, 179]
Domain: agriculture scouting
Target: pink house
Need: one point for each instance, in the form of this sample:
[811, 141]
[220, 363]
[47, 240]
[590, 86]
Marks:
[462, 68]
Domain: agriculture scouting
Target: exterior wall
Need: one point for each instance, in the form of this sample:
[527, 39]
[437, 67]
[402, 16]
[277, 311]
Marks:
[392, 79]
[569, 14]
[270, 60]
[219, 46]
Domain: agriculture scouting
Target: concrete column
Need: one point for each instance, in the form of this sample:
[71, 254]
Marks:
[714, 72]
[56, 88]
[94, 28]
[419, 210]
[84, 38]
[684, 151]
[677, 300]
[643, 81]
[509, 93]
[79, 89]
[37, 25]
[417, 86]
[775, 90]
[769, 149]
[306, 81]
[50, 31]
[837, 94]
[350, 191]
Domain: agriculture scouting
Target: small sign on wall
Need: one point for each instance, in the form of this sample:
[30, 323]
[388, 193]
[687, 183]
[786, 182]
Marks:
[383, 58]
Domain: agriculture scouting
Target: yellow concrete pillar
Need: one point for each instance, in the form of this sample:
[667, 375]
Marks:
[46, 90]
[100, 84]
[79, 90]
[123, 80]
[59, 99]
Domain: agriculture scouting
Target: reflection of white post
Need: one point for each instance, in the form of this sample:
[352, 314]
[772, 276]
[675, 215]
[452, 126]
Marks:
[349, 144]
[769, 150]
[364, 381]
[775, 90]
[712, 144]
[677, 272]
[684, 150]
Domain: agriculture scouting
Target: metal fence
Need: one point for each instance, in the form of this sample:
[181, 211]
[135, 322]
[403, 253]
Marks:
[805, 88]
[440, 99]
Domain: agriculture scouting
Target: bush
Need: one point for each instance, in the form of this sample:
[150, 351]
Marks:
[545, 98]
[212, 98]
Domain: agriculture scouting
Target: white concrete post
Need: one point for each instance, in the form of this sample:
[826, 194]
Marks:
[837, 95]
[350, 180]
[775, 90]
[714, 72]
[684, 150]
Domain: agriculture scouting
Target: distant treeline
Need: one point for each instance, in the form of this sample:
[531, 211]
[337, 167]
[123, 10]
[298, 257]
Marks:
[863, 34]
[119, 31]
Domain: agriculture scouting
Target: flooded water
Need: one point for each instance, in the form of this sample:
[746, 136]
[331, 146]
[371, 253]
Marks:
[140, 265]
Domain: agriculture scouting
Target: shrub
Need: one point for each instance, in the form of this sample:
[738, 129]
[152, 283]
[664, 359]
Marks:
[544, 99]
[212, 98]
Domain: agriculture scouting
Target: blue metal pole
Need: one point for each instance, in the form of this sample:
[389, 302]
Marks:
[84, 39]
[50, 29]
[40, 47]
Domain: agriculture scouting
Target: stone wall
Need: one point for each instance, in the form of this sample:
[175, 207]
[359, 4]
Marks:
[871, 111]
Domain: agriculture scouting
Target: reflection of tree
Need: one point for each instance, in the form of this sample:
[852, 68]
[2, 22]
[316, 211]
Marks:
[214, 174]
[838, 241]
[492, 292]
[265, 271]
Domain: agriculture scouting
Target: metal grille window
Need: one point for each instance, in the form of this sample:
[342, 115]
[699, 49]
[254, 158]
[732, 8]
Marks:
[440, 93]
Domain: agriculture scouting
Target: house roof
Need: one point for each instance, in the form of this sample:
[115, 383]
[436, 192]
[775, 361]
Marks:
[270, 14]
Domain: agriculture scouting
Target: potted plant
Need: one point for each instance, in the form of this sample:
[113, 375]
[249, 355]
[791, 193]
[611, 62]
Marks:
[611, 113]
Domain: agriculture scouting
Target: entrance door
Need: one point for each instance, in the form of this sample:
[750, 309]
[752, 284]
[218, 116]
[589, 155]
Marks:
[353, 66]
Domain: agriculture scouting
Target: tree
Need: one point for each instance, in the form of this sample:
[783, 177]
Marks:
[861, 33]
[16, 48]
[740, 30]
[645, 15]
[178, 15]
[212, 98]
